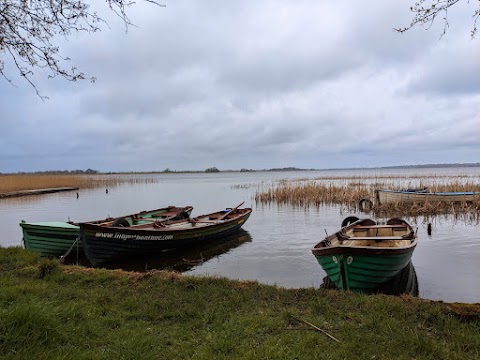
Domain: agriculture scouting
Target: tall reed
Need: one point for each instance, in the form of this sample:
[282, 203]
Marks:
[349, 191]
[18, 182]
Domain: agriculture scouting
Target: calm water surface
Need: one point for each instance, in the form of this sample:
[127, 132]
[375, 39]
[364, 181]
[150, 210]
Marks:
[280, 237]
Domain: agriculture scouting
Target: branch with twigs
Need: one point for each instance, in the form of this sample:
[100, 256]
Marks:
[427, 11]
[29, 28]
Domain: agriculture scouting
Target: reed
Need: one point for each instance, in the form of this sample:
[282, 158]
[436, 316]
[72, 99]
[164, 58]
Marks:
[312, 193]
[349, 191]
[18, 182]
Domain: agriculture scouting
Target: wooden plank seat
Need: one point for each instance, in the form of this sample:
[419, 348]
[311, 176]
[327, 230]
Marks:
[366, 227]
[369, 242]
[375, 238]
[165, 214]
[378, 231]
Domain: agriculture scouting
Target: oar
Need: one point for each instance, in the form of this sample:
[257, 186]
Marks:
[228, 212]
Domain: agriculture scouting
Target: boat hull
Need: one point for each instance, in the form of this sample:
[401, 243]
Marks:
[362, 272]
[103, 244]
[405, 282]
[50, 238]
[392, 196]
[55, 239]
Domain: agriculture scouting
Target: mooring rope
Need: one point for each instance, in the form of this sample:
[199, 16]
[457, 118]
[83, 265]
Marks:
[62, 258]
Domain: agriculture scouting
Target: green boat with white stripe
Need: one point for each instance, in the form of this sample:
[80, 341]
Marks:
[364, 255]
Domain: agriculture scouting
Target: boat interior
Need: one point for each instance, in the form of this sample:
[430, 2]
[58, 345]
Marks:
[172, 220]
[368, 233]
[147, 218]
[378, 231]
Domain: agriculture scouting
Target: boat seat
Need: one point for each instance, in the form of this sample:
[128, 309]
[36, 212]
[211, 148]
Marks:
[377, 238]
[379, 231]
[165, 214]
[214, 217]
[367, 241]
[360, 232]
[396, 226]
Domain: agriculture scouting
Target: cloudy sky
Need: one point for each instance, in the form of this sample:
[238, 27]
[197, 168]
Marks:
[253, 84]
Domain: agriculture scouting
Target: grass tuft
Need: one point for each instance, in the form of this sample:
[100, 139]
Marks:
[48, 266]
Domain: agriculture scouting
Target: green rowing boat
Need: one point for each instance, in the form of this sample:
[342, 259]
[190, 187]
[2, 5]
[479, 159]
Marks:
[56, 238]
[50, 238]
[107, 243]
[364, 255]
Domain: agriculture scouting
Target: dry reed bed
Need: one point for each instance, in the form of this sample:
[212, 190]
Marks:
[313, 194]
[14, 182]
[349, 191]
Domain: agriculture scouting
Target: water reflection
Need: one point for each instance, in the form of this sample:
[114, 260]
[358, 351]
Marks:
[173, 260]
[405, 282]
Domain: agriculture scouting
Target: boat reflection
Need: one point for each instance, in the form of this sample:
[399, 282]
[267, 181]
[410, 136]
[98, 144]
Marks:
[405, 282]
[176, 260]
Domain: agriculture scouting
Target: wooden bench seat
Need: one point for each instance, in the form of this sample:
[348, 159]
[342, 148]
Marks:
[366, 227]
[376, 238]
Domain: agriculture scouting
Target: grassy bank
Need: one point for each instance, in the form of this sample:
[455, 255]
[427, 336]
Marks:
[49, 311]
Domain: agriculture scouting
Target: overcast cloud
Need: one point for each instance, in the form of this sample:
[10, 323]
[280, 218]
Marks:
[249, 84]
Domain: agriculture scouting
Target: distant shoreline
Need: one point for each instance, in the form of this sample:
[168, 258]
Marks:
[168, 171]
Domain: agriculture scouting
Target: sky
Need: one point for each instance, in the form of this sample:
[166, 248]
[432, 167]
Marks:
[255, 85]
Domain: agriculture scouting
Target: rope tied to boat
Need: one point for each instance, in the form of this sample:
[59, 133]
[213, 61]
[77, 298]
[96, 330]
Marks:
[62, 258]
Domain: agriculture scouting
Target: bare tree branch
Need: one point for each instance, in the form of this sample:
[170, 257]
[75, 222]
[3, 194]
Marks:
[427, 11]
[28, 30]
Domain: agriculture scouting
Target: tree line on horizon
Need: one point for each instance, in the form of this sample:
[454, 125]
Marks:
[216, 170]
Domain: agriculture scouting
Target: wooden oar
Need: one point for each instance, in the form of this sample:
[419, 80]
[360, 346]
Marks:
[229, 212]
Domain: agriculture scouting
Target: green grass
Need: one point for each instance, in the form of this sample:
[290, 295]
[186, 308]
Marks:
[51, 311]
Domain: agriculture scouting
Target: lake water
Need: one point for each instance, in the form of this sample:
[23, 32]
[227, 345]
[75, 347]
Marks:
[279, 238]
